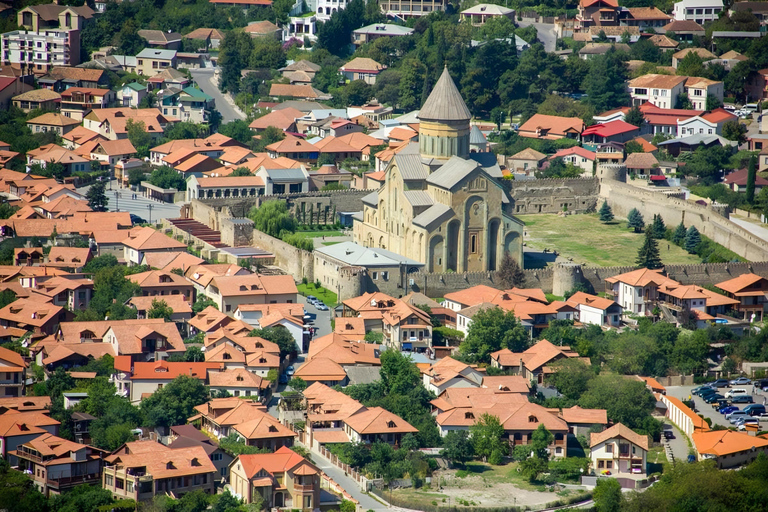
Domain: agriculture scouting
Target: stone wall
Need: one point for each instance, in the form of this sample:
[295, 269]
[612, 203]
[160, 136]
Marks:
[552, 195]
[622, 198]
[296, 262]
[322, 204]
[236, 232]
[437, 285]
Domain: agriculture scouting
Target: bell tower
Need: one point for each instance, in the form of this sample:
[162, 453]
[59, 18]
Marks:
[444, 122]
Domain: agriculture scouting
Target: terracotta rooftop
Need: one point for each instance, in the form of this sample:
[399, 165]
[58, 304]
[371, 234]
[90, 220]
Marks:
[619, 430]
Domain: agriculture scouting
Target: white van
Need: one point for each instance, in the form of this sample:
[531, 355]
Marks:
[750, 107]
[736, 392]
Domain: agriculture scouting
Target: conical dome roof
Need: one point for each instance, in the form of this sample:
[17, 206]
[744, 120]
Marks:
[445, 102]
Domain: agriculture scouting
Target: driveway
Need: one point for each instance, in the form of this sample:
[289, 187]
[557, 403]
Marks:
[348, 484]
[122, 199]
[224, 104]
[678, 445]
[545, 31]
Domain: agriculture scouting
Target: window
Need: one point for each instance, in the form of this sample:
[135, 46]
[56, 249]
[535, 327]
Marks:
[609, 448]
[473, 243]
[600, 464]
[108, 479]
[385, 275]
[609, 464]
[229, 307]
[375, 276]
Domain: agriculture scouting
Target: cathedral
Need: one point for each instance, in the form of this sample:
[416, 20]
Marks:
[442, 203]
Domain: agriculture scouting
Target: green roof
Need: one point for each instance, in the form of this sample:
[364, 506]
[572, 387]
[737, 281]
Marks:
[196, 93]
[136, 86]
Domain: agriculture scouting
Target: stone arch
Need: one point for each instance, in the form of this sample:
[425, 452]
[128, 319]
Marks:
[452, 244]
[512, 244]
[381, 243]
[369, 240]
[421, 245]
[435, 258]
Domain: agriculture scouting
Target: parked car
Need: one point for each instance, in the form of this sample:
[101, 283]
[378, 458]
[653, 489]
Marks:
[321, 307]
[707, 391]
[755, 409]
[734, 416]
[741, 381]
[736, 392]
[742, 399]
[290, 370]
[728, 410]
[719, 383]
[747, 421]
[137, 220]
[668, 434]
[311, 298]
[714, 398]
[696, 391]
[720, 404]
[283, 379]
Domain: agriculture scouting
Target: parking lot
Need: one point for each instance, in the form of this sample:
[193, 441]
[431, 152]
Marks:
[705, 409]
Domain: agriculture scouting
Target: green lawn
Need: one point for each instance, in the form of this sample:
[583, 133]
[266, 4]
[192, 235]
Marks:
[585, 239]
[326, 296]
[318, 234]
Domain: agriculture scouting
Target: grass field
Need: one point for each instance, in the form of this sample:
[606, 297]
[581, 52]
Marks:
[318, 234]
[585, 239]
[326, 296]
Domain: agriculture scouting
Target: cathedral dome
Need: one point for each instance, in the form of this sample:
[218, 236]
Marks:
[445, 102]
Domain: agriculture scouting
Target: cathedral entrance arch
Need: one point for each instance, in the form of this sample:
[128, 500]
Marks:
[452, 245]
[435, 257]
[494, 226]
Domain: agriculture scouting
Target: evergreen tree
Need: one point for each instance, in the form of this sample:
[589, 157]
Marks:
[751, 172]
[606, 214]
[635, 220]
[97, 197]
[510, 273]
[634, 116]
[679, 236]
[658, 228]
[648, 254]
[692, 240]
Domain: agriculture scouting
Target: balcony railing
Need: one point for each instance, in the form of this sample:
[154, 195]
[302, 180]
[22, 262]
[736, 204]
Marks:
[67, 481]
[303, 488]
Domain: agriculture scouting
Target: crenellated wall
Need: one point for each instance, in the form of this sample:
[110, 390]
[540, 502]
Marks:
[553, 195]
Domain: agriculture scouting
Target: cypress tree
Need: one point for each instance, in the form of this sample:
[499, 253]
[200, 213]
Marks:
[679, 236]
[692, 240]
[635, 220]
[648, 254]
[606, 214]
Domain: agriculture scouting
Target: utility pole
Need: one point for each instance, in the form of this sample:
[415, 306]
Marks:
[149, 207]
[117, 201]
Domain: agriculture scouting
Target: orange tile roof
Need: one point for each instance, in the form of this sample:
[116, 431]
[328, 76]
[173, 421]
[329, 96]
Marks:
[281, 461]
[18, 423]
[175, 302]
[594, 301]
[402, 134]
[534, 357]
[331, 144]
[619, 430]
[360, 140]
[647, 146]
[163, 462]
[11, 357]
[163, 370]
[551, 126]
[377, 420]
[294, 91]
[336, 348]
[657, 81]
[738, 284]
[236, 378]
[321, 369]
[282, 119]
[585, 416]
[641, 277]
[292, 145]
[147, 239]
[54, 119]
[726, 442]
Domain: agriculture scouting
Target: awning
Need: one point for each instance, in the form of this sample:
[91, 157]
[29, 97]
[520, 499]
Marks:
[407, 345]
[658, 178]
[194, 418]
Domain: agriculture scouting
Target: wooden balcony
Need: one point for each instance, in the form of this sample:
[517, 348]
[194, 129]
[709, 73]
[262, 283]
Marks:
[303, 488]
[71, 481]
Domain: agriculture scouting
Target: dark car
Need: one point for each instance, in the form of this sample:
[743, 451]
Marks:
[720, 383]
[720, 404]
[137, 220]
[697, 391]
[283, 379]
[668, 434]
[730, 408]
[707, 392]
[715, 398]
[742, 399]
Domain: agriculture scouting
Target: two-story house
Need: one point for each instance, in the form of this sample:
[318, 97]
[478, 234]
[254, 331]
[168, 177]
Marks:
[76, 101]
[229, 292]
[140, 242]
[184, 436]
[56, 465]
[700, 11]
[751, 291]
[637, 291]
[150, 61]
[283, 479]
[660, 90]
[533, 363]
[157, 283]
[142, 469]
[12, 373]
[618, 451]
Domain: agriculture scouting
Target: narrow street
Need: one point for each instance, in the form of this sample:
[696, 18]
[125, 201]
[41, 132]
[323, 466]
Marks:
[205, 78]
[752, 227]
[545, 33]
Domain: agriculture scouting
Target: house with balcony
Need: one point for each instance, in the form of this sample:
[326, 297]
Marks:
[281, 480]
[370, 33]
[246, 419]
[599, 13]
[17, 428]
[185, 436]
[76, 101]
[659, 90]
[450, 373]
[187, 105]
[405, 326]
[224, 186]
[699, 11]
[130, 95]
[404, 9]
[12, 373]
[618, 451]
[480, 13]
[57, 465]
[145, 378]
[52, 122]
[157, 283]
[152, 341]
[229, 292]
[142, 469]
[42, 99]
[637, 291]
[333, 417]
[533, 364]
[595, 310]
[751, 291]
[612, 131]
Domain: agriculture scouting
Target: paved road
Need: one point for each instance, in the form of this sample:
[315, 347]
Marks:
[224, 104]
[753, 228]
[678, 445]
[349, 485]
[546, 33]
[139, 206]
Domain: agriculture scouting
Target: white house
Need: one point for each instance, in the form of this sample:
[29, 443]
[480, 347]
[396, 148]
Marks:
[700, 11]
[264, 316]
[706, 124]
[660, 90]
[579, 157]
[450, 373]
[635, 291]
[618, 451]
[283, 181]
[595, 310]
[698, 89]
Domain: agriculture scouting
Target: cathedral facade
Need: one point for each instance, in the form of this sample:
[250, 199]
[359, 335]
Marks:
[441, 203]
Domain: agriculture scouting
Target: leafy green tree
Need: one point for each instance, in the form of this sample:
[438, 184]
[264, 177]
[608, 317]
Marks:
[129, 42]
[493, 329]
[272, 218]
[692, 240]
[683, 102]
[374, 337]
[160, 309]
[635, 220]
[175, 402]
[183, 130]
[357, 92]
[279, 335]
[17, 491]
[267, 53]
[627, 401]
[398, 373]
[111, 290]
[751, 175]
[678, 237]
[238, 130]
[97, 197]
[167, 177]
[733, 130]
[137, 134]
[605, 83]
[297, 384]
[487, 436]
[648, 255]
[457, 447]
[607, 494]
[135, 176]
[234, 52]
[633, 147]
[7, 297]
[571, 377]
[510, 274]
[201, 303]
[605, 212]
[100, 262]
[658, 228]
[269, 136]
[241, 171]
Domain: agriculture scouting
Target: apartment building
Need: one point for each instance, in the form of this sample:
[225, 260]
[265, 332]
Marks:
[150, 61]
[76, 101]
[404, 9]
[700, 11]
[660, 90]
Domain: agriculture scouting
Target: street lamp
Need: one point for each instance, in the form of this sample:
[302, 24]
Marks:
[117, 201]
[149, 207]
